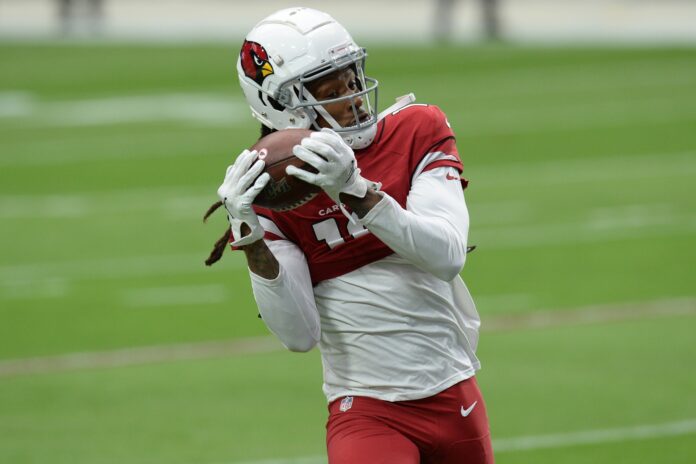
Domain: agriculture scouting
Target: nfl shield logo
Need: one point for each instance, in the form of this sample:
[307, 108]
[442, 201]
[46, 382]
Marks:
[346, 403]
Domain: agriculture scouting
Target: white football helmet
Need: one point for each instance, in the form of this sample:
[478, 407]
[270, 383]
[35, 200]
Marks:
[290, 48]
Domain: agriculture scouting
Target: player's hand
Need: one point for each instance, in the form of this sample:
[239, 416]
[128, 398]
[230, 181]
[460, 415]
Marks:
[335, 162]
[238, 191]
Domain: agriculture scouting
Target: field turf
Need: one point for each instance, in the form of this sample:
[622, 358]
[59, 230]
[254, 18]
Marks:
[117, 345]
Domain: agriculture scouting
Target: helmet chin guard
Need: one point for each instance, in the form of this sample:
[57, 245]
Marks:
[291, 48]
[359, 139]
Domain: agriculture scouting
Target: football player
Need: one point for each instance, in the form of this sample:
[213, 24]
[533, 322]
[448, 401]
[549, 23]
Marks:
[368, 269]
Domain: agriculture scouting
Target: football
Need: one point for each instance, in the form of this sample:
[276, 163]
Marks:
[284, 192]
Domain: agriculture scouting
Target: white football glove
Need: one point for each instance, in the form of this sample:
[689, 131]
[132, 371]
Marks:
[338, 170]
[238, 192]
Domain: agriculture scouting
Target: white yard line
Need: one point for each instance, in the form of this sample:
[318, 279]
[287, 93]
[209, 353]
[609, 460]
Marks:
[173, 200]
[203, 350]
[558, 440]
[15, 278]
[170, 199]
[189, 204]
[595, 436]
[571, 80]
[593, 229]
[138, 356]
[586, 169]
[114, 268]
[582, 232]
[595, 314]
[205, 108]
[577, 115]
[223, 110]
[190, 295]
[57, 279]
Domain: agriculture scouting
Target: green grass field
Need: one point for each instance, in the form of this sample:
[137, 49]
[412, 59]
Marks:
[117, 345]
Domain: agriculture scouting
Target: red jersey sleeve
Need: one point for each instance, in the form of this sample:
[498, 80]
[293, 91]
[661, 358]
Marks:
[435, 144]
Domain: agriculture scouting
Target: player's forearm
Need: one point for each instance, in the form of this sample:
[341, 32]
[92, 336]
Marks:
[432, 234]
[361, 206]
[261, 261]
[428, 243]
[286, 302]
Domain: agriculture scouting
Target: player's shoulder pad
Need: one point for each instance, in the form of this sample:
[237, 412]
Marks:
[421, 116]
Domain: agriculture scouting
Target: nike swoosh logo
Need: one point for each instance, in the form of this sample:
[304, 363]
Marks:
[450, 177]
[466, 412]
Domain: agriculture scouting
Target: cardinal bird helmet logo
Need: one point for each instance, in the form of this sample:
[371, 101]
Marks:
[255, 61]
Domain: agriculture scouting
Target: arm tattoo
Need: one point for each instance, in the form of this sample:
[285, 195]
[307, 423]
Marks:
[362, 206]
[261, 261]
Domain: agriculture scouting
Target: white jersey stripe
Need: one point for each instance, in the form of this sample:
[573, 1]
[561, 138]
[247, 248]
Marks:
[430, 158]
[269, 226]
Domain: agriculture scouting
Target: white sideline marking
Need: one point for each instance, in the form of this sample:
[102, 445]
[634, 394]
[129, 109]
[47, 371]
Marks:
[202, 350]
[558, 440]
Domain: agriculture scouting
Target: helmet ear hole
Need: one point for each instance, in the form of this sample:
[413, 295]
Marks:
[274, 103]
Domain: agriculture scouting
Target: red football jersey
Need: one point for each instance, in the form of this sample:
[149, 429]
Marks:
[412, 140]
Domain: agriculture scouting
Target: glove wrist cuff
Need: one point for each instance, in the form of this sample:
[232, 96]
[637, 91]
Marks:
[238, 239]
[358, 185]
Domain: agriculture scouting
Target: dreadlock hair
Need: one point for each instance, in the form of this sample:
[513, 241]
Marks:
[221, 243]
